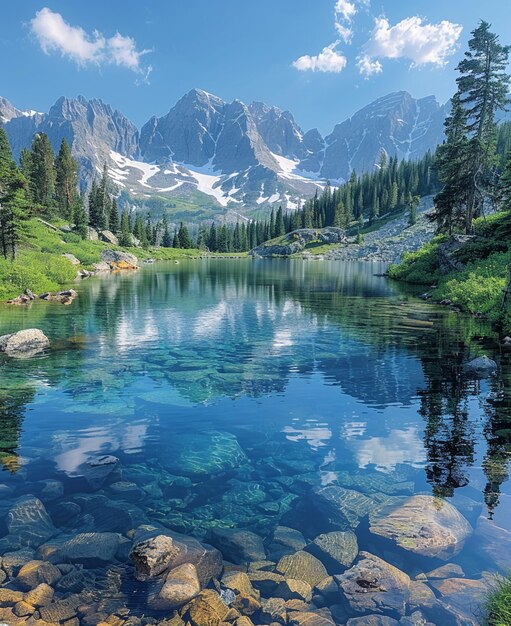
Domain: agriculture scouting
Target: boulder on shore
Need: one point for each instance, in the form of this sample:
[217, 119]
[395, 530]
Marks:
[297, 240]
[482, 367]
[24, 343]
[109, 237]
[119, 260]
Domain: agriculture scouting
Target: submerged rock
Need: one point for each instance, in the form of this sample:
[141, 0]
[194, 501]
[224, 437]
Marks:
[336, 550]
[341, 508]
[87, 548]
[29, 521]
[24, 343]
[373, 586]
[181, 585]
[201, 455]
[153, 556]
[302, 566]
[423, 525]
[238, 545]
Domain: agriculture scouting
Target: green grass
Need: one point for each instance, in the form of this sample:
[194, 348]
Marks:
[40, 266]
[478, 288]
[498, 607]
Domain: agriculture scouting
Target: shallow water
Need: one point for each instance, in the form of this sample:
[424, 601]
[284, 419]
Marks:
[232, 391]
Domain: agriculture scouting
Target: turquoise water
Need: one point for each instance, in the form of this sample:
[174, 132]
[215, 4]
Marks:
[231, 392]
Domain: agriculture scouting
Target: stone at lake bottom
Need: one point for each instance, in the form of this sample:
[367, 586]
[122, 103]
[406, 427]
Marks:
[206, 558]
[293, 589]
[449, 570]
[341, 508]
[336, 550]
[200, 455]
[422, 525]
[493, 544]
[238, 545]
[309, 618]
[87, 548]
[302, 566]
[24, 343]
[372, 620]
[29, 520]
[462, 595]
[373, 586]
[153, 556]
[287, 539]
[207, 609]
[265, 582]
[246, 599]
[181, 585]
[42, 595]
[34, 573]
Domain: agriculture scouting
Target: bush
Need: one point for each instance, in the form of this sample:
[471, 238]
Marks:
[498, 607]
[419, 267]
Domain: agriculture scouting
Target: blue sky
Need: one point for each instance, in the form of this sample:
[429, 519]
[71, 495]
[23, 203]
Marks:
[303, 55]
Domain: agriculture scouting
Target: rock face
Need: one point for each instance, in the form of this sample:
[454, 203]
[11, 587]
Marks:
[24, 343]
[109, 237]
[296, 241]
[373, 586]
[423, 525]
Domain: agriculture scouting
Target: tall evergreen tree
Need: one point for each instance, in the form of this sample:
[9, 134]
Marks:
[125, 238]
[66, 180]
[483, 85]
[79, 216]
[42, 173]
[184, 238]
[114, 221]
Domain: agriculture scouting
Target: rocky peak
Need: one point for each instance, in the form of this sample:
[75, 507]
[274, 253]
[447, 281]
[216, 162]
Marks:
[278, 129]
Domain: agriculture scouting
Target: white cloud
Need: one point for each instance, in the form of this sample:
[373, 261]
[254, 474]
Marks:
[367, 67]
[344, 11]
[54, 34]
[412, 39]
[328, 60]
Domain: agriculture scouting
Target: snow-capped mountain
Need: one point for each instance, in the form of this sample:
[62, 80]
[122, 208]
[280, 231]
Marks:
[228, 154]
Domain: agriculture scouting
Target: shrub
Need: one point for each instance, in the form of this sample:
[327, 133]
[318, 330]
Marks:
[498, 607]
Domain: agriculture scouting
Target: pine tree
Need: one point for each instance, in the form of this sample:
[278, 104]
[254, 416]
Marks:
[79, 216]
[42, 173]
[175, 241]
[13, 200]
[184, 237]
[279, 223]
[66, 181]
[126, 238]
[484, 87]
[114, 222]
[213, 238]
[504, 191]
[140, 232]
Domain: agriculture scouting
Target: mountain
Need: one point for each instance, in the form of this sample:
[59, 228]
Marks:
[397, 124]
[227, 156]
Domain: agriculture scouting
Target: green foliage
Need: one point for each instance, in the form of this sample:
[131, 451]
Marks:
[419, 267]
[498, 606]
[37, 271]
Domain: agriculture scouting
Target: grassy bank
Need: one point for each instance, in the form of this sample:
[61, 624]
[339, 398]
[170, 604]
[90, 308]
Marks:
[479, 287]
[498, 607]
[40, 266]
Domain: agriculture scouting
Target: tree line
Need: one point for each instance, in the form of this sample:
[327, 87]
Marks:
[474, 163]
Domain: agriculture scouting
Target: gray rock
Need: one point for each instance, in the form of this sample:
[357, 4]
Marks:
[294, 589]
[447, 260]
[336, 550]
[238, 545]
[24, 343]
[423, 525]
[482, 367]
[341, 508]
[87, 548]
[109, 237]
[153, 556]
[302, 566]
[116, 257]
[372, 586]
[296, 241]
[29, 520]
[71, 258]
[181, 585]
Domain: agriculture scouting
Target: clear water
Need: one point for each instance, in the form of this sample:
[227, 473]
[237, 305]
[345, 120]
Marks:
[324, 372]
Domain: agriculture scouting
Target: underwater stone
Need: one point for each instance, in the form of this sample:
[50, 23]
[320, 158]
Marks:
[238, 545]
[153, 556]
[422, 525]
[302, 566]
[24, 343]
[201, 455]
[28, 520]
[373, 586]
[181, 585]
[336, 550]
[87, 548]
[341, 508]
[34, 573]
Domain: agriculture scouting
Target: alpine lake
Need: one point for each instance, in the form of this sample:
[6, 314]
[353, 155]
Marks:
[252, 442]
